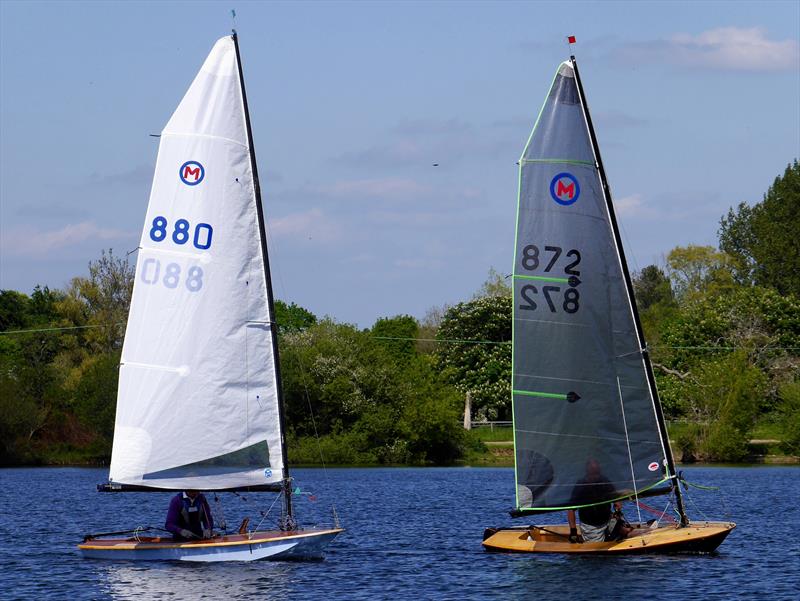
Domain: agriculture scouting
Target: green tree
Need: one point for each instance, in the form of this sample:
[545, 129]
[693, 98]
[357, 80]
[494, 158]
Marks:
[763, 238]
[95, 396]
[103, 300]
[496, 284]
[293, 317]
[382, 406]
[14, 310]
[699, 270]
[652, 286]
[397, 334]
[475, 353]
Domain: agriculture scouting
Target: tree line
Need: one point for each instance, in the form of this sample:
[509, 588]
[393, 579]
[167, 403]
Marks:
[722, 324]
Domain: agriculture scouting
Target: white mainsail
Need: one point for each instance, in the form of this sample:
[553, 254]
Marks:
[197, 405]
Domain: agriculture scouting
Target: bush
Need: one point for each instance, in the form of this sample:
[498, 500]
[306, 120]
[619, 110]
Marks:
[790, 413]
[349, 448]
[725, 442]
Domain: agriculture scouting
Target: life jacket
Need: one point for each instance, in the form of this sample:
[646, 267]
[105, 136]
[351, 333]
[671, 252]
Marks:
[193, 515]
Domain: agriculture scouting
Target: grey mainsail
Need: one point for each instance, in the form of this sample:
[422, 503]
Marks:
[586, 427]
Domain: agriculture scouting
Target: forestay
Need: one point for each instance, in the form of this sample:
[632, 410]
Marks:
[585, 425]
[197, 403]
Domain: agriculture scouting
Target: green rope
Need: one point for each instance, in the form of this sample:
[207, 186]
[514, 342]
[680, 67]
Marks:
[699, 486]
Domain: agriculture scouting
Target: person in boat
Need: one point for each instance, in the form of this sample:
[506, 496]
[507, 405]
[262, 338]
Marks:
[598, 522]
[189, 516]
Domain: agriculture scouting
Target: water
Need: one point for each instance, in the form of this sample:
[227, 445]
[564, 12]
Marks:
[410, 533]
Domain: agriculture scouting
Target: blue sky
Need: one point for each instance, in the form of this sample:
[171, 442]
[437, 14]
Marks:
[695, 104]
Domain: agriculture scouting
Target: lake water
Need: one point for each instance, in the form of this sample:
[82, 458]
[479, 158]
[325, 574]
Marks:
[410, 533]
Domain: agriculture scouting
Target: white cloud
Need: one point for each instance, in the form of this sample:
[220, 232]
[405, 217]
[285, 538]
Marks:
[368, 188]
[737, 49]
[29, 241]
[723, 48]
[632, 205]
[312, 224]
[432, 126]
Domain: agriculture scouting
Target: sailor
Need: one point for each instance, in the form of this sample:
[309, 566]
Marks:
[598, 522]
[189, 516]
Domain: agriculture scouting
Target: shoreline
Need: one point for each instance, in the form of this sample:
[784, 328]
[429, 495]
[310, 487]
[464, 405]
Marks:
[768, 461]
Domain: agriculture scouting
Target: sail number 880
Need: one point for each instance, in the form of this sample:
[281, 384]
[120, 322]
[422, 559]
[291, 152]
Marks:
[180, 232]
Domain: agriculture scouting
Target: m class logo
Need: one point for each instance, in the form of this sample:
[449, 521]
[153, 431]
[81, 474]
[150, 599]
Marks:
[564, 189]
[192, 173]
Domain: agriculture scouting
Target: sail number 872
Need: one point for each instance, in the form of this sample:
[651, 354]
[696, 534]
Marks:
[532, 260]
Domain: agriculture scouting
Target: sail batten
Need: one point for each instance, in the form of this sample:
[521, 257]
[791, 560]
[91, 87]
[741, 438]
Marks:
[197, 404]
[575, 338]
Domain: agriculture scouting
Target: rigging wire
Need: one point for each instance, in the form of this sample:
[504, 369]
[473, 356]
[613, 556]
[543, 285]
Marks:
[302, 373]
[440, 340]
[99, 325]
[630, 457]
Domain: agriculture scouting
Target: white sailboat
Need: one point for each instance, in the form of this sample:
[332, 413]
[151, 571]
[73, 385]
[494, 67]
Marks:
[199, 403]
[588, 424]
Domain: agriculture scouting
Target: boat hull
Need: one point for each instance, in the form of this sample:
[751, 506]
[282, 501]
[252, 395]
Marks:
[276, 545]
[697, 537]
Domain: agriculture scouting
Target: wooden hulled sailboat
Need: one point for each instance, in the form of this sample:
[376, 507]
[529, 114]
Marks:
[199, 403]
[588, 425]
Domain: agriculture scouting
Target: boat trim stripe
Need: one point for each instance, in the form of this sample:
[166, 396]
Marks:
[139, 546]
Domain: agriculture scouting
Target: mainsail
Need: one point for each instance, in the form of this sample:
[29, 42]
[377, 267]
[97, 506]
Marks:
[586, 423]
[198, 401]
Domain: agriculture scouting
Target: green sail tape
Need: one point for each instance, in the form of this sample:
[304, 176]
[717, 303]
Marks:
[559, 161]
[542, 278]
[546, 395]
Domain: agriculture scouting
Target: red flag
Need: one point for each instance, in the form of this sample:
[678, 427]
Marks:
[571, 39]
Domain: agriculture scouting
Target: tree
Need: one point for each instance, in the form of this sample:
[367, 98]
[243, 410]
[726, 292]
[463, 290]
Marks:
[763, 238]
[292, 317]
[698, 270]
[370, 403]
[495, 285]
[652, 286]
[397, 334]
[475, 353]
[103, 300]
[14, 308]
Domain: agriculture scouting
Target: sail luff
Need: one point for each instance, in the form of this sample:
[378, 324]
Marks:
[268, 279]
[630, 292]
[520, 164]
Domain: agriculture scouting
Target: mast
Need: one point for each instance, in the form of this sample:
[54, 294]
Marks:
[632, 300]
[287, 487]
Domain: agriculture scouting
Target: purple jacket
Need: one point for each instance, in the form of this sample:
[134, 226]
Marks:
[185, 514]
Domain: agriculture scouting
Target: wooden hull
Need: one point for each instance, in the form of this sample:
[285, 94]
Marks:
[276, 545]
[697, 537]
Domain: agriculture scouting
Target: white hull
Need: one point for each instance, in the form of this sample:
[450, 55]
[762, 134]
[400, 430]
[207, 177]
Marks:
[300, 545]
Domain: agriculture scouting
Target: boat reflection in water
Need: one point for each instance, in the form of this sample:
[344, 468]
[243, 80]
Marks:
[187, 581]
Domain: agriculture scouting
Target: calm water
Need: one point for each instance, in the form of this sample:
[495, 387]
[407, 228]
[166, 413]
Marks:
[410, 532]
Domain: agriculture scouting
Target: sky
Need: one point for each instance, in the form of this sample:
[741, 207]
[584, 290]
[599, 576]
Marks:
[696, 107]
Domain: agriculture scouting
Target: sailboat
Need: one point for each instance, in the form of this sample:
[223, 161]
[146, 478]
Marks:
[589, 430]
[199, 403]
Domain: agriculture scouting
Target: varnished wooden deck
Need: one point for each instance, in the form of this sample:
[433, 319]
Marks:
[699, 537]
